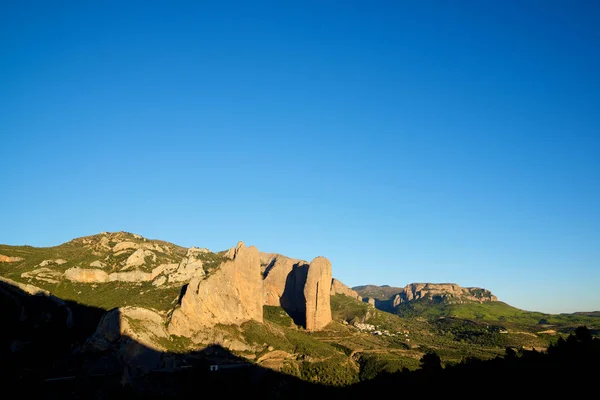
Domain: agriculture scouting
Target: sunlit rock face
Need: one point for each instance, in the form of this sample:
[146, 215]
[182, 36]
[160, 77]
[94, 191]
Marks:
[302, 289]
[233, 294]
[317, 294]
[278, 271]
[338, 287]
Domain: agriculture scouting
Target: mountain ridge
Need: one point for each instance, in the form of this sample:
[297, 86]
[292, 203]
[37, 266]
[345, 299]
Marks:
[156, 306]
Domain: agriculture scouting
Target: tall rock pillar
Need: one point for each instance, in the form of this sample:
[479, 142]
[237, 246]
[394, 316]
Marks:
[317, 294]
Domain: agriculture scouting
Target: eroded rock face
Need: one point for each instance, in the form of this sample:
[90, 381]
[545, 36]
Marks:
[301, 289]
[317, 294]
[86, 275]
[233, 294]
[130, 276]
[97, 264]
[4, 258]
[44, 274]
[278, 276]
[338, 287]
[138, 258]
[190, 266]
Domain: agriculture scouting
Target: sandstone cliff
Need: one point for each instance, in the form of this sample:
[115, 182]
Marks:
[338, 287]
[300, 288]
[279, 282]
[317, 294]
[233, 294]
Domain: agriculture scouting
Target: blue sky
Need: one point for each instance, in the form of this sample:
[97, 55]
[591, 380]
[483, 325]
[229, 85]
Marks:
[406, 141]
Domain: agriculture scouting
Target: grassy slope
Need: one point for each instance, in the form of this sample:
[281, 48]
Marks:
[106, 295]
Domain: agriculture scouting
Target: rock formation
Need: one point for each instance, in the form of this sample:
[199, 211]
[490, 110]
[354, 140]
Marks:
[300, 288]
[130, 336]
[449, 292]
[278, 273]
[138, 258]
[317, 294]
[233, 294]
[189, 267]
[338, 287]
[86, 275]
[10, 259]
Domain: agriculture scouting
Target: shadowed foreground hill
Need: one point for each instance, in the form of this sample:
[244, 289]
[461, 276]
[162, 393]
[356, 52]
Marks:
[44, 358]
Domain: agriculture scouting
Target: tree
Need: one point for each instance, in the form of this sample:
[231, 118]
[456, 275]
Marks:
[431, 362]
[583, 334]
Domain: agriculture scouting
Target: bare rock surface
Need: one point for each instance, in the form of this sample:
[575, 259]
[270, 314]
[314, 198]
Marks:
[86, 275]
[4, 258]
[338, 287]
[276, 271]
[190, 266]
[230, 295]
[317, 294]
[138, 258]
[44, 274]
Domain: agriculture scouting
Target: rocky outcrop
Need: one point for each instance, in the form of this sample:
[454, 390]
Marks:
[93, 275]
[86, 275]
[128, 245]
[130, 337]
[317, 294]
[130, 276]
[138, 258]
[97, 264]
[447, 292]
[233, 294]
[190, 266]
[144, 326]
[277, 271]
[46, 263]
[44, 274]
[4, 258]
[300, 288]
[338, 287]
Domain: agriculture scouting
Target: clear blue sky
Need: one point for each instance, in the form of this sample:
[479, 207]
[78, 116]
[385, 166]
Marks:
[406, 141]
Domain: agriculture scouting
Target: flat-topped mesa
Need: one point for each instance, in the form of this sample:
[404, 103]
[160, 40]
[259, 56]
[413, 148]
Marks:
[232, 294]
[450, 292]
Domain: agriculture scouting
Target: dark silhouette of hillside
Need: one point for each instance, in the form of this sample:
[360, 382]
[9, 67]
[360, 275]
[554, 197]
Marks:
[44, 355]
